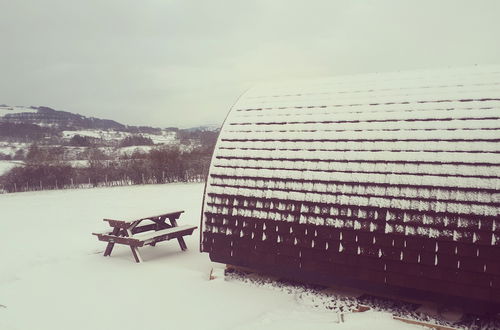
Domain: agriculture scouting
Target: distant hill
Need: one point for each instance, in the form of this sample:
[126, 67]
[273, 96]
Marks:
[210, 128]
[48, 117]
[57, 120]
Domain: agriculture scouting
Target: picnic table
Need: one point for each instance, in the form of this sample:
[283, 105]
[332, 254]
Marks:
[134, 233]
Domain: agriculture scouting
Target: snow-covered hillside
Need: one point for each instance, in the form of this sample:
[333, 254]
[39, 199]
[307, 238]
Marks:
[10, 148]
[53, 274]
[10, 110]
[165, 137]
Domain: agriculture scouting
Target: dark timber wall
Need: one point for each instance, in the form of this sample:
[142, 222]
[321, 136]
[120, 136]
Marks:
[388, 180]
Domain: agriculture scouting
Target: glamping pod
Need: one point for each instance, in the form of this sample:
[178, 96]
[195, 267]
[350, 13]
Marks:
[387, 181]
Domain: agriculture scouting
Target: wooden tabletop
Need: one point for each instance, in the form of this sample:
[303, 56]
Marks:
[134, 219]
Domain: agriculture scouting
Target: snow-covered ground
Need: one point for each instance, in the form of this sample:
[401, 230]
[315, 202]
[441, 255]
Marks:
[53, 274]
[10, 148]
[130, 150]
[81, 163]
[166, 137]
[7, 165]
[106, 135]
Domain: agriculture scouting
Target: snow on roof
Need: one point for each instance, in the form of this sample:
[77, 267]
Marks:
[421, 142]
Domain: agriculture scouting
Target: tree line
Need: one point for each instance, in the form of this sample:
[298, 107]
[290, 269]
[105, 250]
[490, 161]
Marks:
[45, 168]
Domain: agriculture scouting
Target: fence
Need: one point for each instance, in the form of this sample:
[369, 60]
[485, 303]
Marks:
[89, 183]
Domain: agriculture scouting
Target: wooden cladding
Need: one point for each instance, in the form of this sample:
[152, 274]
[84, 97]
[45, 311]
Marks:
[391, 179]
[448, 267]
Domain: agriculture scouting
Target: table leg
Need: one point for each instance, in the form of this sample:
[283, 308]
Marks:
[135, 249]
[158, 225]
[182, 244]
[110, 245]
[137, 255]
[159, 222]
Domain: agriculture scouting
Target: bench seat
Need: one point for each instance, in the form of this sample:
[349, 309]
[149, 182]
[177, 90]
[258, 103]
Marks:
[148, 238]
[164, 234]
[110, 238]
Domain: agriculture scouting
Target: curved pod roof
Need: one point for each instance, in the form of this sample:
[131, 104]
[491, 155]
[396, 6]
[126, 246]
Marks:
[415, 154]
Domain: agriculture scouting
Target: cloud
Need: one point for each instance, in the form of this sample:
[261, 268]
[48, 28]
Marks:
[168, 63]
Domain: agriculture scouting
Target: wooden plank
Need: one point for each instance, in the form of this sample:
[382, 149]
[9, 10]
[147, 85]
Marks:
[135, 250]
[423, 324]
[180, 240]
[104, 232]
[146, 238]
[140, 239]
[182, 244]
[118, 223]
[169, 236]
[241, 269]
[173, 221]
[165, 215]
[112, 239]
[137, 255]
[150, 227]
[109, 247]
[124, 222]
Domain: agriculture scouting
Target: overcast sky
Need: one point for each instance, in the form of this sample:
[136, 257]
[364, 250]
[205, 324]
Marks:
[184, 63]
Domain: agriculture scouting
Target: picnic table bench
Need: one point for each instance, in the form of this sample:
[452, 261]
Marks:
[133, 233]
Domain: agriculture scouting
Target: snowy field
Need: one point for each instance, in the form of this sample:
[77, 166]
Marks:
[10, 148]
[7, 165]
[53, 275]
[166, 137]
